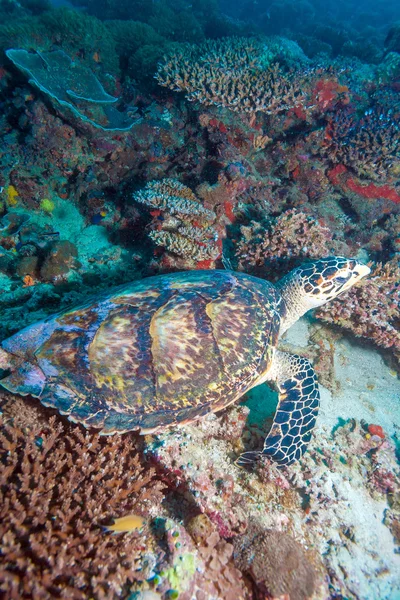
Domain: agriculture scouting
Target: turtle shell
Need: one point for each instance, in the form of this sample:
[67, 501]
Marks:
[159, 351]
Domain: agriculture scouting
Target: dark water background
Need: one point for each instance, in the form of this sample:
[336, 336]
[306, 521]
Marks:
[333, 21]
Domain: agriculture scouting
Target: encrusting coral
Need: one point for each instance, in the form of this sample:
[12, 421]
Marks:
[234, 73]
[371, 309]
[182, 225]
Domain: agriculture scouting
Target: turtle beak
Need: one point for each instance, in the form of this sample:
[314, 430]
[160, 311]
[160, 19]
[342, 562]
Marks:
[362, 270]
[358, 271]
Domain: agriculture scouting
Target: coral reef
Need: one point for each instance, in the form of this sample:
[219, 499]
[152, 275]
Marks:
[236, 73]
[138, 46]
[319, 505]
[77, 34]
[287, 151]
[369, 146]
[371, 310]
[181, 223]
[392, 41]
[61, 488]
[291, 236]
[58, 487]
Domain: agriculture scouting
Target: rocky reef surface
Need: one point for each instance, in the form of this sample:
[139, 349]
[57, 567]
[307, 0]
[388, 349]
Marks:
[326, 527]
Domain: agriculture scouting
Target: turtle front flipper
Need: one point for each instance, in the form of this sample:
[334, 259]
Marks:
[296, 413]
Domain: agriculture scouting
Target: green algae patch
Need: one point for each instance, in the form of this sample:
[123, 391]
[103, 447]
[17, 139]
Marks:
[180, 574]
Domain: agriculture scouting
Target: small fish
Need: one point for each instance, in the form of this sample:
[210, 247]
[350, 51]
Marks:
[126, 524]
[50, 234]
[226, 262]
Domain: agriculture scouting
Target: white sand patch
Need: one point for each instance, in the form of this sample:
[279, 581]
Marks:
[369, 388]
[367, 563]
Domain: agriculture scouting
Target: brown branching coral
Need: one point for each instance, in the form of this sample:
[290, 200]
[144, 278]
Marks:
[234, 73]
[186, 227]
[372, 309]
[291, 235]
[58, 485]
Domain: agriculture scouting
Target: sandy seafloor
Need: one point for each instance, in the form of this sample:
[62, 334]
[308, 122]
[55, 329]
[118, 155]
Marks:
[367, 389]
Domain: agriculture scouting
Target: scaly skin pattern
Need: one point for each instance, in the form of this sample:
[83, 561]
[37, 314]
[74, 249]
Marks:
[296, 413]
[164, 350]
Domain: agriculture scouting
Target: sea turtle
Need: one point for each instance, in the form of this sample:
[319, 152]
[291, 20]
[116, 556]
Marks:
[169, 349]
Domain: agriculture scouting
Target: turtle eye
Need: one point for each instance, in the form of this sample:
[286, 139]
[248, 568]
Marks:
[341, 280]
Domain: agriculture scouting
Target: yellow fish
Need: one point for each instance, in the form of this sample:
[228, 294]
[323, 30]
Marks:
[126, 524]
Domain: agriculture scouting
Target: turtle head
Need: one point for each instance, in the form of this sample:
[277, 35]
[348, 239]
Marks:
[315, 283]
[327, 278]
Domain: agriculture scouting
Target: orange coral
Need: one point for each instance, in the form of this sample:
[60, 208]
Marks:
[28, 281]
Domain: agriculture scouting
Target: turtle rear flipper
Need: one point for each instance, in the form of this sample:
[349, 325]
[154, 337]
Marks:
[5, 360]
[26, 379]
[296, 413]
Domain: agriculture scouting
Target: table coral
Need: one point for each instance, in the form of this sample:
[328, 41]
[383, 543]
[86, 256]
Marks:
[68, 83]
[236, 73]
